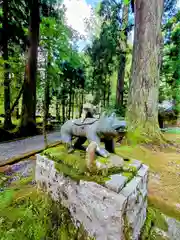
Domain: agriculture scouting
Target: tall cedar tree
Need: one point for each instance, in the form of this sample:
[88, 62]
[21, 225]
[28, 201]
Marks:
[122, 63]
[28, 120]
[5, 40]
[142, 109]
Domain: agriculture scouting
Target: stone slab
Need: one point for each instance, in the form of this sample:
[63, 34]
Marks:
[131, 187]
[101, 210]
[116, 183]
[143, 171]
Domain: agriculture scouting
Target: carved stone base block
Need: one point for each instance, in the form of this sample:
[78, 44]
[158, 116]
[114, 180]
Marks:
[114, 211]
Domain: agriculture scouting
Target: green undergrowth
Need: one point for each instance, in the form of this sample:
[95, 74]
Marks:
[74, 166]
[31, 214]
[154, 219]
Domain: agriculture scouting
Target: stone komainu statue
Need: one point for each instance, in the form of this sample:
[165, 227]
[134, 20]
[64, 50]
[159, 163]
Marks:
[94, 130]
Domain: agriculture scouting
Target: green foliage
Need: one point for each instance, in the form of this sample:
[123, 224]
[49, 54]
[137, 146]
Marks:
[171, 60]
[126, 2]
[29, 214]
[154, 219]
[106, 50]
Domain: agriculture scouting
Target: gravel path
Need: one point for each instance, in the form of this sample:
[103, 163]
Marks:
[21, 147]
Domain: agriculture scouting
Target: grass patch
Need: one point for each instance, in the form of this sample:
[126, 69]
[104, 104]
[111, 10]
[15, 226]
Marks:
[30, 214]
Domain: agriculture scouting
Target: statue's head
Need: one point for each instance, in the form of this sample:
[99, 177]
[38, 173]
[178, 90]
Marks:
[108, 125]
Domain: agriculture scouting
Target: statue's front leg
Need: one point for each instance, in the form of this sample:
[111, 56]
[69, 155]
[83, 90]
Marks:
[101, 151]
[67, 140]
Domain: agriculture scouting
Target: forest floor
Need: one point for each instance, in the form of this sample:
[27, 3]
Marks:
[164, 177]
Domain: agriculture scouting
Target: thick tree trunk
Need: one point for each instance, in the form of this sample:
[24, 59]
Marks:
[142, 109]
[122, 64]
[7, 119]
[28, 120]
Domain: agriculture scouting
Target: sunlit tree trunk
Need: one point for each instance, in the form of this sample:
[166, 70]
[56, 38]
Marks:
[122, 62]
[142, 108]
[7, 119]
[28, 120]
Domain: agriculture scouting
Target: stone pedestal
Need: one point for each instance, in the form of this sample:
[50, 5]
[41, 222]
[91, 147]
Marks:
[115, 211]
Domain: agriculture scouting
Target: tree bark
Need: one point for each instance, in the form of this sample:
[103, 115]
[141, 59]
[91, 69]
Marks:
[45, 120]
[63, 101]
[142, 109]
[28, 120]
[70, 99]
[7, 100]
[57, 109]
[17, 100]
[47, 86]
[122, 64]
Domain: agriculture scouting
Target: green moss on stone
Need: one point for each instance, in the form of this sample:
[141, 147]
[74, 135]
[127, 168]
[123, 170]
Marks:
[74, 166]
[127, 229]
[77, 176]
[129, 175]
[59, 154]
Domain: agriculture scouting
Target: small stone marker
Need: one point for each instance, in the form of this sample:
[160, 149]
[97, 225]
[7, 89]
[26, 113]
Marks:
[116, 183]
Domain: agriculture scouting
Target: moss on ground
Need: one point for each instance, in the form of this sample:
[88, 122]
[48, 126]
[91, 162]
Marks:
[30, 214]
[164, 178]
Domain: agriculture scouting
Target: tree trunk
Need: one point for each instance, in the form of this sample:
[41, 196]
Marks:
[57, 109]
[81, 103]
[63, 104]
[47, 92]
[142, 109]
[122, 63]
[15, 104]
[45, 119]
[28, 120]
[72, 105]
[70, 99]
[7, 119]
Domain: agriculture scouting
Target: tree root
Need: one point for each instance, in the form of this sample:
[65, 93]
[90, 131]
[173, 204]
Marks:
[155, 141]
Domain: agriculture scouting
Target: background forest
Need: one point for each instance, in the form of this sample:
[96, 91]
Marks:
[127, 61]
[44, 72]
